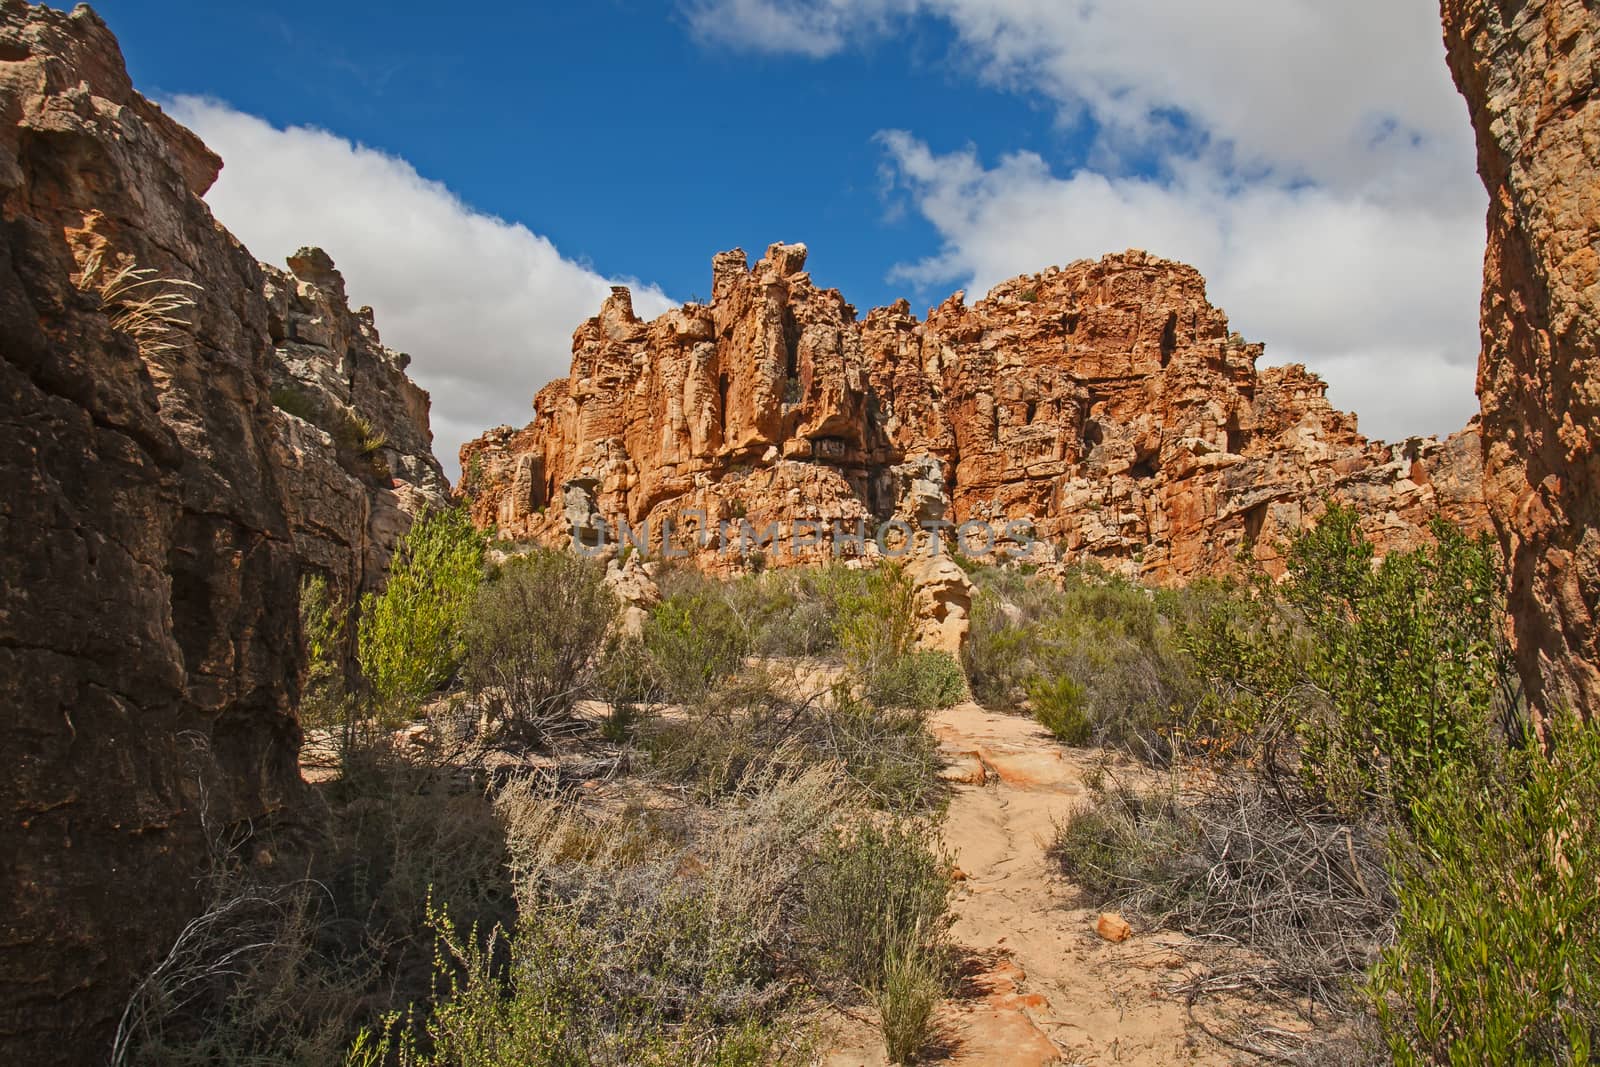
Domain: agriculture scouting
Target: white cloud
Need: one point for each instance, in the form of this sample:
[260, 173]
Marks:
[486, 307]
[1312, 159]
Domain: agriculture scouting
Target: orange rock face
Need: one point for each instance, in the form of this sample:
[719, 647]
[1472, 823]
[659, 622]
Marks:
[1106, 405]
[1528, 69]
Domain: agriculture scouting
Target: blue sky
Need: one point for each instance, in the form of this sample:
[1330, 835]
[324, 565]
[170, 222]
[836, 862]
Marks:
[605, 126]
[481, 174]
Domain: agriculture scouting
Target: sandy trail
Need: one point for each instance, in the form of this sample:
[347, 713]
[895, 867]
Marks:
[1042, 987]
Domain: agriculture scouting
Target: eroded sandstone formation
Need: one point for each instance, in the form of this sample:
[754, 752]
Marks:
[1529, 69]
[1107, 403]
[148, 652]
[358, 445]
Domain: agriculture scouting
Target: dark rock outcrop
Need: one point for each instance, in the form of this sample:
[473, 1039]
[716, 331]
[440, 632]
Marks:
[1529, 71]
[157, 510]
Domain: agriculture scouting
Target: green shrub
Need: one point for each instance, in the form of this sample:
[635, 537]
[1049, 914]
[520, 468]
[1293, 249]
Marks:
[323, 626]
[695, 640]
[1365, 680]
[913, 984]
[411, 638]
[921, 680]
[881, 889]
[876, 620]
[889, 754]
[1140, 691]
[1497, 954]
[791, 612]
[533, 639]
[1058, 704]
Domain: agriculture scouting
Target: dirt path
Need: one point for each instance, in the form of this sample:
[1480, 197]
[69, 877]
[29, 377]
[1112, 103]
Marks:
[1044, 988]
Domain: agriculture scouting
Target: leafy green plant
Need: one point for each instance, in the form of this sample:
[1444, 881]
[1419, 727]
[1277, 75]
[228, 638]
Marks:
[876, 621]
[1497, 953]
[411, 638]
[1366, 679]
[324, 624]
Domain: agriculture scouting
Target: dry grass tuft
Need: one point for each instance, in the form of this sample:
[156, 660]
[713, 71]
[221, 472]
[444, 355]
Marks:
[139, 302]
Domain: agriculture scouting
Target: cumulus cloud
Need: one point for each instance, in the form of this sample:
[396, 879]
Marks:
[1312, 159]
[485, 306]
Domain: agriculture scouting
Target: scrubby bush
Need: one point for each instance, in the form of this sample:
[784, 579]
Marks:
[1308, 894]
[1059, 705]
[695, 640]
[1497, 958]
[1365, 681]
[760, 720]
[791, 612]
[647, 939]
[411, 638]
[287, 960]
[920, 680]
[1118, 643]
[881, 889]
[533, 640]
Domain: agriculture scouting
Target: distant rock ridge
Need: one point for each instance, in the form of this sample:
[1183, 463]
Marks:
[1108, 403]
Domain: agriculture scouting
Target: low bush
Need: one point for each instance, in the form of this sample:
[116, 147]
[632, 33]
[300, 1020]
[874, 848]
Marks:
[1308, 893]
[1497, 958]
[412, 635]
[281, 968]
[640, 943]
[533, 640]
[880, 891]
[695, 640]
[920, 680]
[1059, 705]
[1137, 689]
[758, 720]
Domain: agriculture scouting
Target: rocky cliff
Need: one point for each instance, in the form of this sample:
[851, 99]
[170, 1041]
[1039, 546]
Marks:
[157, 511]
[1108, 403]
[1529, 69]
[358, 446]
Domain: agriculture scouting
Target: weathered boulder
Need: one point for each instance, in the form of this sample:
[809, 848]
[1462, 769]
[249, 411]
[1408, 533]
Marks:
[1106, 407]
[1529, 70]
[149, 659]
[943, 597]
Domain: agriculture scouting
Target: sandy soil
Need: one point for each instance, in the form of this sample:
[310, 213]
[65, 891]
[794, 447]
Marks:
[1042, 987]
